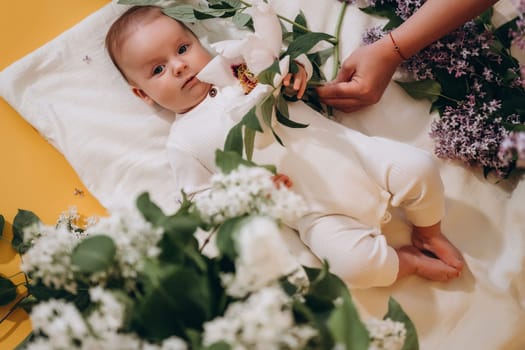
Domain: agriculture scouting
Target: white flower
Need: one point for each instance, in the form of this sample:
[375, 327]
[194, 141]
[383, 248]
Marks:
[385, 334]
[135, 240]
[263, 321]
[60, 321]
[49, 259]
[173, 343]
[72, 221]
[260, 48]
[109, 313]
[248, 190]
[263, 258]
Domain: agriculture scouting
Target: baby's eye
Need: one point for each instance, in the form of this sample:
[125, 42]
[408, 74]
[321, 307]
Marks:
[183, 49]
[158, 70]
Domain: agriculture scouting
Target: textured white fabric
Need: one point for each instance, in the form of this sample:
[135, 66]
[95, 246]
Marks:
[116, 145]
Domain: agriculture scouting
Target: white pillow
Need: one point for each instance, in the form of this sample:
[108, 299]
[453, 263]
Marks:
[71, 93]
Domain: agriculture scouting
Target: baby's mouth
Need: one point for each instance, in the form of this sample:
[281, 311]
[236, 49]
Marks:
[190, 82]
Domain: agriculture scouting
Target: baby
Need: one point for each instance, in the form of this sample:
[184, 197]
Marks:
[348, 179]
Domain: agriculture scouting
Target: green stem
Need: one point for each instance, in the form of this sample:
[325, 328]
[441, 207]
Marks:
[207, 240]
[448, 98]
[300, 26]
[337, 62]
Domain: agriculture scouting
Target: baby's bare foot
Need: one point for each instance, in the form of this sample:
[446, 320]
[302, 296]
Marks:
[424, 266]
[431, 239]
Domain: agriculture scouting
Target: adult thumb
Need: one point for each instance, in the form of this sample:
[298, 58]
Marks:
[345, 74]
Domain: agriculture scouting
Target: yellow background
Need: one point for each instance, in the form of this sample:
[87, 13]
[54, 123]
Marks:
[33, 176]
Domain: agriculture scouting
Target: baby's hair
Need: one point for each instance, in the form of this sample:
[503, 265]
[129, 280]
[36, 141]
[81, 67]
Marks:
[122, 27]
[126, 23]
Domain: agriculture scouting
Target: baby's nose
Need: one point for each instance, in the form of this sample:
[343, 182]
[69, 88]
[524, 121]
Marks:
[178, 67]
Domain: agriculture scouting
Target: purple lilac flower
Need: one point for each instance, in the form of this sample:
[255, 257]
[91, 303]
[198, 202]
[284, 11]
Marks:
[520, 6]
[405, 8]
[518, 35]
[513, 148]
[454, 53]
[372, 35]
[468, 134]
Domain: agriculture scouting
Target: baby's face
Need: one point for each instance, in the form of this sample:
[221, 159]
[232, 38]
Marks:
[161, 59]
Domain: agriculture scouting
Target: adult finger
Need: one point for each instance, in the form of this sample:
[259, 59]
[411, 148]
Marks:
[346, 105]
[350, 89]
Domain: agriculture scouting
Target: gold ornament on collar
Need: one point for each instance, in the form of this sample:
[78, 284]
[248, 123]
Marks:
[246, 78]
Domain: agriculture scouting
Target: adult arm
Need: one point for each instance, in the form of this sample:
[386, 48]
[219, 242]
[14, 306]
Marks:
[366, 73]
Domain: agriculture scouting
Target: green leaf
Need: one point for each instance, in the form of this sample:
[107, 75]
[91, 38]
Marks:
[183, 13]
[228, 161]
[249, 142]
[324, 286]
[396, 313]
[502, 33]
[251, 121]
[282, 114]
[181, 300]
[234, 140]
[93, 254]
[301, 20]
[2, 224]
[387, 10]
[221, 345]
[207, 13]
[267, 75]
[305, 43]
[267, 110]
[226, 236]
[151, 212]
[346, 326]
[486, 17]
[241, 20]
[7, 291]
[429, 89]
[23, 219]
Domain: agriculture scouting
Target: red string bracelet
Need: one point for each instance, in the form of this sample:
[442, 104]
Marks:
[396, 47]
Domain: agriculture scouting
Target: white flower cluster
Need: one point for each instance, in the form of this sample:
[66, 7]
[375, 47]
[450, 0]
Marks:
[264, 321]
[263, 258]
[49, 258]
[108, 316]
[60, 326]
[135, 240]
[73, 221]
[248, 190]
[385, 334]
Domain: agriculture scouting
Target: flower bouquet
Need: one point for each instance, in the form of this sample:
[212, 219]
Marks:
[140, 279]
[473, 80]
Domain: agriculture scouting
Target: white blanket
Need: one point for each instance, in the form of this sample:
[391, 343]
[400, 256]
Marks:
[69, 91]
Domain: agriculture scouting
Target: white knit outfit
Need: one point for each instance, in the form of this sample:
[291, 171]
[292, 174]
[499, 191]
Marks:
[347, 178]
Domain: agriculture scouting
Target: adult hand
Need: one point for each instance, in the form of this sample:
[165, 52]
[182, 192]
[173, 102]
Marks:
[363, 77]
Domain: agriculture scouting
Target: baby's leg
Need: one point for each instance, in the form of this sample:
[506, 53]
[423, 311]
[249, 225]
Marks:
[430, 238]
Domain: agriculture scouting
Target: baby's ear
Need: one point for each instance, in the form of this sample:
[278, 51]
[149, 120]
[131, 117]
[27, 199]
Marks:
[142, 95]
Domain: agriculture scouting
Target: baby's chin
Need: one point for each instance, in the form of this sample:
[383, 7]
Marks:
[197, 101]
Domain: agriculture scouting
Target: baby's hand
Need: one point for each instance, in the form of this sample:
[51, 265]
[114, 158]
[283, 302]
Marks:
[300, 80]
[281, 179]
